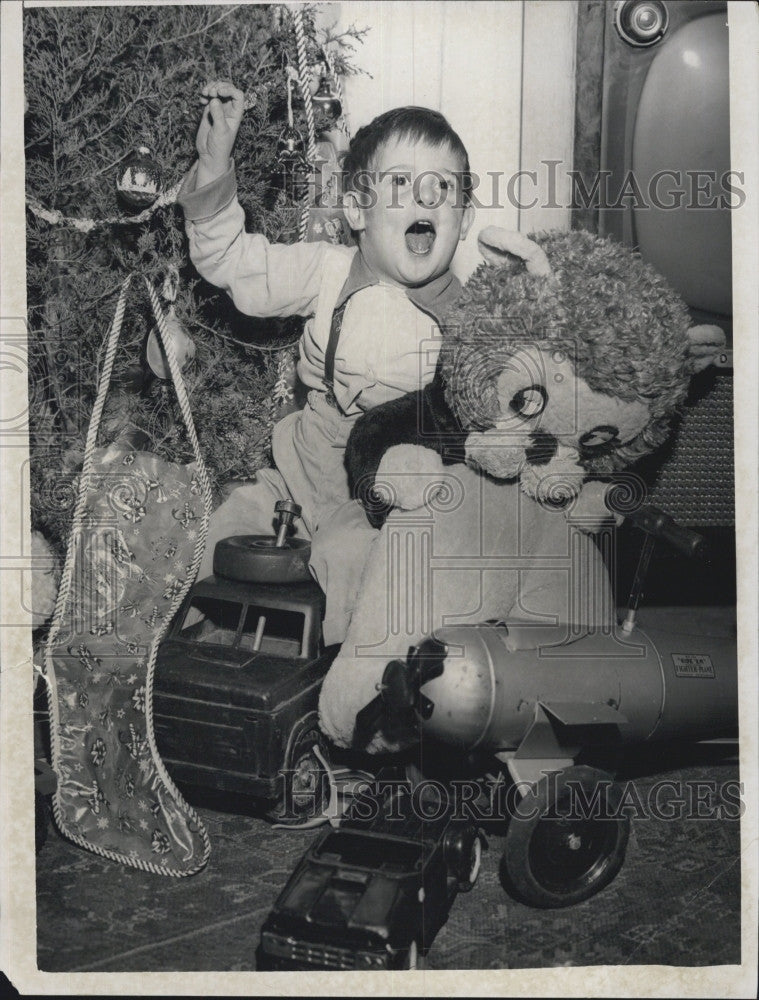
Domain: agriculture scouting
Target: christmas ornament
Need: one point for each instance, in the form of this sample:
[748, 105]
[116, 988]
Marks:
[184, 346]
[297, 178]
[291, 158]
[139, 183]
[326, 100]
[290, 146]
[294, 168]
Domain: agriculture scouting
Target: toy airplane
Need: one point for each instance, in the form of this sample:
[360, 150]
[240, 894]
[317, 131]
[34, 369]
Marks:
[540, 710]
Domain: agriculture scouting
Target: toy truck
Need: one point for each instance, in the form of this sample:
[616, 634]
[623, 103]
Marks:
[238, 677]
[373, 893]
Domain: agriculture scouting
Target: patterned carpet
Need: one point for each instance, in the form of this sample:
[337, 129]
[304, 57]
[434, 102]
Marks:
[676, 900]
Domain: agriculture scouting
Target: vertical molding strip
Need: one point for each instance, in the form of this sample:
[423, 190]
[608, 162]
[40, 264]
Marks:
[588, 106]
[548, 113]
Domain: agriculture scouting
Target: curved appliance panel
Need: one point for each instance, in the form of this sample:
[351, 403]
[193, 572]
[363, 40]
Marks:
[682, 127]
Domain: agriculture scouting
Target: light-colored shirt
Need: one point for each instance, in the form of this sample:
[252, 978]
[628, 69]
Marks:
[390, 336]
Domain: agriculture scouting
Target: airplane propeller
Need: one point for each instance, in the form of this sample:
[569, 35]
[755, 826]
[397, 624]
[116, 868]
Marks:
[400, 704]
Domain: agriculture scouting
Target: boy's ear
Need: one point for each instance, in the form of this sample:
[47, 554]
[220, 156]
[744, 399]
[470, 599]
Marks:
[466, 222]
[353, 211]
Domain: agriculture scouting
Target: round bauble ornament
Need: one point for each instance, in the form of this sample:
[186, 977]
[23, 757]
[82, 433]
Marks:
[326, 100]
[139, 182]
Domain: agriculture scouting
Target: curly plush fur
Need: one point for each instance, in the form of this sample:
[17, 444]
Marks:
[618, 320]
[612, 339]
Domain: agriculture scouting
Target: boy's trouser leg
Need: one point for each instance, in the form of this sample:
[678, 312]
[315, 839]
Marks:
[340, 549]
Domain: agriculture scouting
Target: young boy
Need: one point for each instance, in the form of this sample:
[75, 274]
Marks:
[373, 312]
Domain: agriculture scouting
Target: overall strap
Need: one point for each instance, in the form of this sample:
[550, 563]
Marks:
[329, 354]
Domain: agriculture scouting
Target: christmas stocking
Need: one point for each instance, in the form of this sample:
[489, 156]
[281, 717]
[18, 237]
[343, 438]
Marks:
[137, 538]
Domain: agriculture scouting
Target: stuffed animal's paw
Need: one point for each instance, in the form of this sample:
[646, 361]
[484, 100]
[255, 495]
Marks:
[589, 511]
[409, 476]
[705, 343]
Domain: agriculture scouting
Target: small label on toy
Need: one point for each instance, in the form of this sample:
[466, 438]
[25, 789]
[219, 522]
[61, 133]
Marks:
[693, 665]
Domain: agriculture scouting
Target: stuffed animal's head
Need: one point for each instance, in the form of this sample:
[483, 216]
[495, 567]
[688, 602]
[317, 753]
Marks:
[566, 356]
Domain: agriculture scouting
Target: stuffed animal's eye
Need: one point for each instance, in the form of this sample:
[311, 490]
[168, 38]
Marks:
[529, 402]
[601, 435]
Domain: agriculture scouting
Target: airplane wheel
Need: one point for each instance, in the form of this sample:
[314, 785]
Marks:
[560, 847]
[257, 559]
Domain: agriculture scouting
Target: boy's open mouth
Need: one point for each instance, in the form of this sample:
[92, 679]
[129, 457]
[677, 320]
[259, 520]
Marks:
[419, 237]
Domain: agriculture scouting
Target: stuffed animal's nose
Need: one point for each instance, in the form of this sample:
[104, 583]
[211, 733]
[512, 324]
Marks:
[541, 449]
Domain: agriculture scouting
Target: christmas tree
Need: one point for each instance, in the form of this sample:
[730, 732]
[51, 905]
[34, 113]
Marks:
[101, 83]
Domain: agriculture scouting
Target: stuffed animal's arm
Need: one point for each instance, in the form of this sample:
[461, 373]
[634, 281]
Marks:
[387, 425]
[409, 476]
[422, 419]
[589, 511]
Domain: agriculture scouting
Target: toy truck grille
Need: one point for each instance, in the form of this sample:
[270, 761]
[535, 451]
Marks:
[322, 956]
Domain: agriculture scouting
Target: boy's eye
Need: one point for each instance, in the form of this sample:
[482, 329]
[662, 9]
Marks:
[400, 180]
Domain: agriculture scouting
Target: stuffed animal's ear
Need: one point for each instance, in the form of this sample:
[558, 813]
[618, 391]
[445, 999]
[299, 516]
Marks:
[496, 243]
[705, 343]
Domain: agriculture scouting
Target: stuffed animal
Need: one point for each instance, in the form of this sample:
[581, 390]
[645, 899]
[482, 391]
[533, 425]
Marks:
[565, 360]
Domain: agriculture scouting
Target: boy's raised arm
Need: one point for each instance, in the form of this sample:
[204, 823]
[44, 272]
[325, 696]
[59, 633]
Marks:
[262, 279]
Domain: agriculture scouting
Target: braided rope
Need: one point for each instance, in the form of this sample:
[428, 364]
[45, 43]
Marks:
[304, 77]
[66, 577]
[200, 544]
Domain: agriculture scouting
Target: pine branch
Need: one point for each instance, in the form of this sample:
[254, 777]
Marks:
[101, 82]
[199, 31]
[85, 61]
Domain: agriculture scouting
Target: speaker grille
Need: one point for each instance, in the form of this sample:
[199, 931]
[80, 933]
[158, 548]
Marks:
[693, 479]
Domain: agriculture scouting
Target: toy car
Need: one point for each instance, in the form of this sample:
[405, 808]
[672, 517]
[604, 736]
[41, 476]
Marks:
[373, 893]
[237, 680]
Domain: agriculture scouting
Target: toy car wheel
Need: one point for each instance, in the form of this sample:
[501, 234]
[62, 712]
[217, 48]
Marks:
[308, 791]
[563, 845]
[463, 853]
[257, 559]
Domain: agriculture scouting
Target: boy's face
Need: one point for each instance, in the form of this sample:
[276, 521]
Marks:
[409, 212]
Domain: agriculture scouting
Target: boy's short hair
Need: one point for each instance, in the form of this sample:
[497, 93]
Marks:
[413, 123]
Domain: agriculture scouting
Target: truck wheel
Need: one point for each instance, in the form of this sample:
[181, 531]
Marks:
[257, 559]
[563, 846]
[463, 853]
[308, 792]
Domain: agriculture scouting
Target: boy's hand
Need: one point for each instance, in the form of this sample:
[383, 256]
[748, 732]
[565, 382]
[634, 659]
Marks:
[218, 128]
